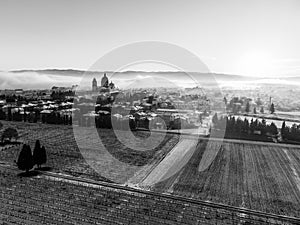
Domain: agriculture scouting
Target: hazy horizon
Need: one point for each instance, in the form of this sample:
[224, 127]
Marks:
[45, 80]
[254, 38]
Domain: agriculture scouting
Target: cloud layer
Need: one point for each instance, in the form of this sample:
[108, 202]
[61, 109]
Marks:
[33, 80]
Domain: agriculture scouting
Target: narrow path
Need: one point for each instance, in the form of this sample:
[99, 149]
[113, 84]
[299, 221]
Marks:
[172, 163]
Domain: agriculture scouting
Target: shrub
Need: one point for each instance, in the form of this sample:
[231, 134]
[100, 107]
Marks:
[9, 133]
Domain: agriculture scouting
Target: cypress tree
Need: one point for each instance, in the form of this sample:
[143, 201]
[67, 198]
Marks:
[273, 129]
[272, 108]
[262, 110]
[283, 130]
[254, 110]
[37, 153]
[247, 107]
[43, 155]
[25, 160]
[70, 120]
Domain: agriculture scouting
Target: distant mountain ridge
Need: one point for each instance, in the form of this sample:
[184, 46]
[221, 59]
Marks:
[45, 78]
[74, 72]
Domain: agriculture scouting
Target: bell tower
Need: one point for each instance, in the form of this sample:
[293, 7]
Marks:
[104, 81]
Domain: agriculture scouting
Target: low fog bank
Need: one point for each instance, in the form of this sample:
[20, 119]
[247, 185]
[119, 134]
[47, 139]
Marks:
[34, 80]
[133, 79]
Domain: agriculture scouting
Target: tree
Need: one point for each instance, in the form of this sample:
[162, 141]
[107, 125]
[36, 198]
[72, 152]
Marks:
[272, 108]
[225, 101]
[9, 133]
[245, 126]
[262, 110]
[25, 160]
[238, 125]
[258, 102]
[43, 159]
[254, 110]
[251, 126]
[273, 129]
[284, 130]
[262, 126]
[39, 154]
[230, 125]
[247, 107]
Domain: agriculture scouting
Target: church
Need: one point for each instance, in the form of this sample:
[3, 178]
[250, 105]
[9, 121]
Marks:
[104, 84]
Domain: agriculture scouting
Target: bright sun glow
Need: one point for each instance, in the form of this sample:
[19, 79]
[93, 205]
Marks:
[255, 63]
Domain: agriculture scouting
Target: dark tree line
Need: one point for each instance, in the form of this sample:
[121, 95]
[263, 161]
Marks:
[290, 133]
[236, 127]
[61, 95]
[236, 105]
[13, 98]
[56, 118]
[17, 116]
[34, 117]
[107, 122]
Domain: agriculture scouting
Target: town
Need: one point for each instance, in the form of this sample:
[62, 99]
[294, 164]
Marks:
[189, 110]
[191, 133]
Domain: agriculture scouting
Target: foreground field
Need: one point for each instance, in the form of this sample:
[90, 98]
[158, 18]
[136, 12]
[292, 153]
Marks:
[253, 176]
[46, 199]
[116, 163]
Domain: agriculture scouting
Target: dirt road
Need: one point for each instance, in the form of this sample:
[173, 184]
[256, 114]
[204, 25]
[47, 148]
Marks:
[172, 163]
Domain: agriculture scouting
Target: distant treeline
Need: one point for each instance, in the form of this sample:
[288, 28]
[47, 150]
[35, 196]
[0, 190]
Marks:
[59, 95]
[243, 129]
[107, 122]
[14, 98]
[17, 116]
[255, 130]
[290, 134]
[34, 117]
[56, 118]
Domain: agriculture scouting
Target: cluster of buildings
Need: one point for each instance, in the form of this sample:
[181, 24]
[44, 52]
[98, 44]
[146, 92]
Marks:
[144, 106]
[162, 109]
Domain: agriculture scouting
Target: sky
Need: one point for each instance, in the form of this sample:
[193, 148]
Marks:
[254, 38]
